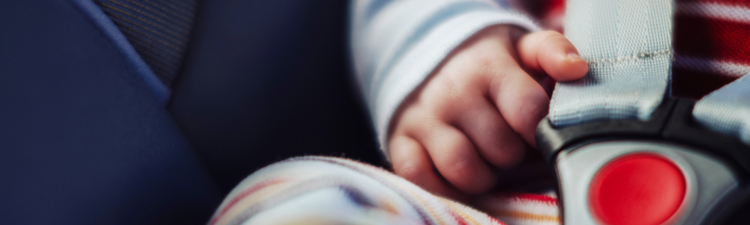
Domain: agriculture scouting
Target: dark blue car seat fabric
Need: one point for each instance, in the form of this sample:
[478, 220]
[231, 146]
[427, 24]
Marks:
[266, 80]
[122, 44]
[159, 30]
[83, 139]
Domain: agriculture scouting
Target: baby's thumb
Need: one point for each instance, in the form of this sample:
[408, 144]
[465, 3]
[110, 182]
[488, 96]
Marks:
[552, 53]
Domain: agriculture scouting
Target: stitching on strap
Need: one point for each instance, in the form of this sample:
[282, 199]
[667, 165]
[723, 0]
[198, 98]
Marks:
[633, 57]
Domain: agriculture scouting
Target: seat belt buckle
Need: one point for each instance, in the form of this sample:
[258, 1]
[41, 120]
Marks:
[665, 170]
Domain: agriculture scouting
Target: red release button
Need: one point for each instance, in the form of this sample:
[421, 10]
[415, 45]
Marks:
[640, 189]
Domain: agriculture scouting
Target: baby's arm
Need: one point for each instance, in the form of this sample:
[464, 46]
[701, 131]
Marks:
[479, 104]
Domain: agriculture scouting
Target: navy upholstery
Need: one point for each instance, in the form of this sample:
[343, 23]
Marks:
[267, 80]
[83, 139]
[158, 29]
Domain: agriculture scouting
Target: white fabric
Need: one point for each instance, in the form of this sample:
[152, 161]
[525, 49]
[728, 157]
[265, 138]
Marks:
[342, 191]
[396, 44]
[727, 110]
[326, 190]
[627, 44]
[715, 11]
[725, 67]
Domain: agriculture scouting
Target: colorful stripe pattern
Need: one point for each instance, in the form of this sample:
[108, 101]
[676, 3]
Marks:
[324, 190]
[712, 45]
[522, 208]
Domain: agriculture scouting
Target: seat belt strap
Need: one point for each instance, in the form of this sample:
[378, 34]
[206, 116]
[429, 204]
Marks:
[627, 44]
[727, 110]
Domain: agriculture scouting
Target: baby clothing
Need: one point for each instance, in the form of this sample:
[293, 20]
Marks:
[326, 190]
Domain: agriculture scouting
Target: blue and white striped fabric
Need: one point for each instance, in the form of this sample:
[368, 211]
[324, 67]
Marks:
[397, 44]
[627, 44]
[727, 110]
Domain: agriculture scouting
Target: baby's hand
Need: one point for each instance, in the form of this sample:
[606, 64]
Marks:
[478, 108]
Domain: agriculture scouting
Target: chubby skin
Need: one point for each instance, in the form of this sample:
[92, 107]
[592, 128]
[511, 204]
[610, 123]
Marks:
[479, 110]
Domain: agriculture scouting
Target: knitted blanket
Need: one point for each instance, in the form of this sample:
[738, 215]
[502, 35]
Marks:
[325, 190]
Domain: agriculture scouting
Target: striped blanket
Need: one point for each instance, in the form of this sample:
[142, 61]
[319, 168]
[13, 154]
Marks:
[325, 190]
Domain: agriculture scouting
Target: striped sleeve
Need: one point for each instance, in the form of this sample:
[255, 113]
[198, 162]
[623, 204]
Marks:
[395, 45]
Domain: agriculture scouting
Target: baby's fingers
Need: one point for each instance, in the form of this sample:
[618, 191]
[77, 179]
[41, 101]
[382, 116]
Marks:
[496, 141]
[552, 53]
[411, 161]
[521, 101]
[454, 156]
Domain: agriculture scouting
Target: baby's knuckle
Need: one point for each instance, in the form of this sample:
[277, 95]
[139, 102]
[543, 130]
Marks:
[549, 34]
[458, 169]
[431, 123]
[531, 110]
[412, 173]
[487, 64]
[444, 88]
[550, 37]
